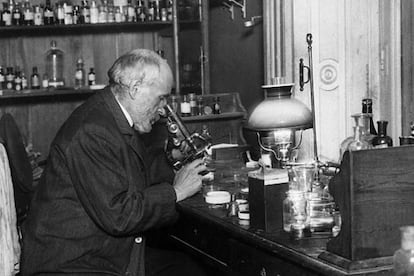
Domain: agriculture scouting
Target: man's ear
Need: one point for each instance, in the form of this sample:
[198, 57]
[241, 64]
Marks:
[135, 89]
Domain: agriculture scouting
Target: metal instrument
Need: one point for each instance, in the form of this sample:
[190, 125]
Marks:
[182, 147]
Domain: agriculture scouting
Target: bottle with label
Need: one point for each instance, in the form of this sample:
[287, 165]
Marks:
[6, 16]
[18, 80]
[216, 105]
[54, 65]
[76, 15]
[48, 15]
[28, 13]
[85, 15]
[79, 74]
[131, 17]
[2, 79]
[140, 11]
[193, 104]
[103, 12]
[91, 77]
[38, 16]
[68, 14]
[367, 109]
[10, 78]
[45, 81]
[17, 17]
[34, 79]
[24, 81]
[185, 107]
[382, 140]
[60, 14]
[94, 11]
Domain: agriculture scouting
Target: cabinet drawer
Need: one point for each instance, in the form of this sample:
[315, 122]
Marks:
[249, 260]
[203, 238]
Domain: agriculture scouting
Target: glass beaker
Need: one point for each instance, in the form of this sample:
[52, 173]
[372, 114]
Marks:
[54, 65]
[295, 214]
[301, 177]
[404, 257]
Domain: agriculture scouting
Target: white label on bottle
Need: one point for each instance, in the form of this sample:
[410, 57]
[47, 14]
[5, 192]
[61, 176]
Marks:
[2, 78]
[38, 19]
[45, 83]
[79, 75]
[28, 15]
[185, 108]
[48, 14]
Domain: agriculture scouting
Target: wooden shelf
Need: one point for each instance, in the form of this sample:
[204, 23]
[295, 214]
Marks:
[35, 93]
[89, 28]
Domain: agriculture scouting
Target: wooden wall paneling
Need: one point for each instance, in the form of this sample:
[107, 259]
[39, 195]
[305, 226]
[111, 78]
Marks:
[407, 59]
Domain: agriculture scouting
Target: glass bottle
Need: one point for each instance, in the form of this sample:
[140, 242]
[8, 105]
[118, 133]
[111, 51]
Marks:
[361, 120]
[367, 109]
[85, 15]
[60, 14]
[28, 14]
[17, 17]
[6, 15]
[91, 77]
[295, 214]
[130, 12]
[140, 11]
[54, 65]
[185, 107]
[174, 104]
[358, 143]
[404, 257]
[382, 140]
[216, 105]
[193, 104]
[10, 78]
[79, 74]
[45, 81]
[38, 16]
[18, 80]
[48, 15]
[94, 12]
[200, 105]
[34, 79]
[24, 81]
[2, 79]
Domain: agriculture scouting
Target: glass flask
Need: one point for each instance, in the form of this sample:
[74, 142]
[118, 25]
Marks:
[363, 121]
[54, 65]
[404, 257]
[295, 214]
[358, 143]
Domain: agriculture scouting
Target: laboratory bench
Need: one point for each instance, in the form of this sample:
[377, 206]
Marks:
[236, 248]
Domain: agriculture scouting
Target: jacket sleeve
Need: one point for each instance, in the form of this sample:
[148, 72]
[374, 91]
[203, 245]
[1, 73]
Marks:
[111, 182]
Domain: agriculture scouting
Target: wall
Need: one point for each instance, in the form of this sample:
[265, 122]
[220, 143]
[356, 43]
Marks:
[236, 53]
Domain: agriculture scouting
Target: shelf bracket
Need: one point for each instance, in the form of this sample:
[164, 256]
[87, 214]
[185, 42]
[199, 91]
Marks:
[230, 4]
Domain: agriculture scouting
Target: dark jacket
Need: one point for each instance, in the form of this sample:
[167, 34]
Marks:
[97, 197]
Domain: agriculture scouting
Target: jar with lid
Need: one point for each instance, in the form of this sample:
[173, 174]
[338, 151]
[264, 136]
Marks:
[54, 65]
[382, 140]
[295, 214]
[404, 257]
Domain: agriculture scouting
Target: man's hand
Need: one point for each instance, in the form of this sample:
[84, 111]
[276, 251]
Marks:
[187, 181]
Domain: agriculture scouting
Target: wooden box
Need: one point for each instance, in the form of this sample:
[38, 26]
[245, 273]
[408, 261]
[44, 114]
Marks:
[375, 194]
[266, 201]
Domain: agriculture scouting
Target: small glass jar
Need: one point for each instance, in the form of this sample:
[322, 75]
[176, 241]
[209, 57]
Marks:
[404, 257]
[295, 214]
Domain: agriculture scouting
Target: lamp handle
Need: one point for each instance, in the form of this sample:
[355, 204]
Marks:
[302, 68]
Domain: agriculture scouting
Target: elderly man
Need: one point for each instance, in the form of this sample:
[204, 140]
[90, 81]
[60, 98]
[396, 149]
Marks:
[102, 189]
